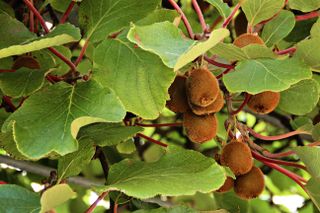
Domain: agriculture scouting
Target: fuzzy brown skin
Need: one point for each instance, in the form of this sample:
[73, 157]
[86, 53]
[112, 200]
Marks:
[246, 39]
[178, 97]
[200, 129]
[202, 87]
[264, 103]
[240, 24]
[237, 156]
[227, 186]
[250, 185]
[216, 106]
[25, 61]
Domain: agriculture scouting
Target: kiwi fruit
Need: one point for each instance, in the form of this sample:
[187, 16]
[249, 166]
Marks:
[178, 97]
[264, 103]
[240, 24]
[202, 87]
[200, 129]
[216, 106]
[237, 156]
[250, 185]
[25, 61]
[246, 39]
[227, 186]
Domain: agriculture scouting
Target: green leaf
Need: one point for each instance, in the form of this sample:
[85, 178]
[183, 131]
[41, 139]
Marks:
[23, 82]
[314, 191]
[43, 124]
[99, 18]
[167, 41]
[126, 147]
[259, 10]
[16, 38]
[255, 76]
[231, 202]
[315, 30]
[304, 6]
[55, 196]
[108, 134]
[307, 52]
[179, 172]
[234, 53]
[9, 145]
[300, 98]
[310, 156]
[139, 78]
[72, 164]
[13, 197]
[6, 8]
[223, 8]
[278, 28]
[177, 209]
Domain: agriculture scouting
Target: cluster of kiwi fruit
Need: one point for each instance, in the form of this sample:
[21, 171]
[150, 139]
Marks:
[249, 182]
[265, 102]
[198, 96]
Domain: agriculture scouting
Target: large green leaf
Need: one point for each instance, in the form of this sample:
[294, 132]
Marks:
[15, 198]
[55, 196]
[72, 164]
[231, 202]
[255, 76]
[6, 8]
[234, 53]
[315, 30]
[223, 8]
[260, 10]
[178, 172]
[167, 41]
[307, 51]
[23, 82]
[16, 39]
[304, 6]
[278, 28]
[310, 156]
[9, 145]
[102, 17]
[43, 124]
[108, 134]
[314, 191]
[139, 78]
[300, 98]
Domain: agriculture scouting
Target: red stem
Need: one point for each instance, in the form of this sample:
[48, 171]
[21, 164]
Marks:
[94, 205]
[8, 101]
[1, 71]
[291, 175]
[230, 17]
[82, 52]
[215, 23]
[245, 101]
[183, 17]
[218, 64]
[276, 137]
[152, 140]
[31, 19]
[307, 16]
[281, 162]
[67, 12]
[200, 16]
[158, 125]
[37, 14]
[64, 59]
[286, 51]
[224, 72]
[115, 208]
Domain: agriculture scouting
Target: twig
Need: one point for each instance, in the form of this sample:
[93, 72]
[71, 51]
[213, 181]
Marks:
[151, 140]
[224, 73]
[82, 52]
[64, 59]
[276, 137]
[94, 205]
[200, 16]
[307, 16]
[218, 64]
[183, 17]
[286, 51]
[245, 101]
[67, 12]
[31, 19]
[230, 17]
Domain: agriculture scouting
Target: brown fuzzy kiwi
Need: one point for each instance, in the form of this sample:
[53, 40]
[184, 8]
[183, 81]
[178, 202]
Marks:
[216, 106]
[200, 129]
[178, 97]
[264, 103]
[250, 185]
[237, 156]
[26, 61]
[240, 24]
[227, 186]
[202, 87]
[246, 39]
